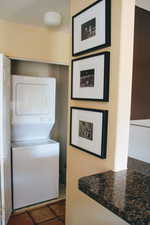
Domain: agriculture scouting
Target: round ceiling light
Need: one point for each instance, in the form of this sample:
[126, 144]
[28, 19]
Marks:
[52, 19]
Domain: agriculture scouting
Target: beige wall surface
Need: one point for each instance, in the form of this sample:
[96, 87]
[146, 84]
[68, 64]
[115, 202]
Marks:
[32, 42]
[81, 164]
[92, 213]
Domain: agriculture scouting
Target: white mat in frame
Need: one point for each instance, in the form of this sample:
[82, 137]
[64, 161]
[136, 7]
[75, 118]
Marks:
[90, 77]
[91, 28]
[88, 130]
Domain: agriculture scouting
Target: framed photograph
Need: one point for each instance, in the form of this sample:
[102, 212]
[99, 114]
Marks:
[91, 28]
[90, 77]
[88, 130]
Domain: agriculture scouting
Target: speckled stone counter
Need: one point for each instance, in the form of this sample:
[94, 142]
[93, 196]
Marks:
[125, 193]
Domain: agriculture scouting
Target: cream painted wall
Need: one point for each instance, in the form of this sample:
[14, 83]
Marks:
[82, 210]
[31, 42]
[89, 212]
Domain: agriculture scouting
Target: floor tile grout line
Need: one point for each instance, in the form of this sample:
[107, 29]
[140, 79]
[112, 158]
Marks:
[34, 222]
[52, 210]
[49, 220]
[58, 216]
[61, 220]
[18, 214]
[48, 206]
[44, 221]
[34, 207]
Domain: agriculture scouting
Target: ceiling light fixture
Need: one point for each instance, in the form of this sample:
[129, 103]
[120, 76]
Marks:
[52, 19]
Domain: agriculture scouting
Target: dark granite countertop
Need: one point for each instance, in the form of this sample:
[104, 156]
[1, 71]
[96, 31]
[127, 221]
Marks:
[125, 193]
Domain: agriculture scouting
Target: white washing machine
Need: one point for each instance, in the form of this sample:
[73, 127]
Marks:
[35, 157]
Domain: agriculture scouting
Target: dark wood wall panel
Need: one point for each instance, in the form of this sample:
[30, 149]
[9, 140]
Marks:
[140, 106]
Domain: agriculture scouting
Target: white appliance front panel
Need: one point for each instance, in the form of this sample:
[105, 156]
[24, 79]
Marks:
[33, 100]
[35, 174]
[29, 132]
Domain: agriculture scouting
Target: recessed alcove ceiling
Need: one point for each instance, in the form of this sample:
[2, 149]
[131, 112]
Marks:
[32, 11]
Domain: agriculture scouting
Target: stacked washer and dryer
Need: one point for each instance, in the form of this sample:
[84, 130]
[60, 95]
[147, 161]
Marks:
[35, 156]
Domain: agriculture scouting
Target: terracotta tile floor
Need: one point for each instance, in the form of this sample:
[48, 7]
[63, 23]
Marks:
[51, 214]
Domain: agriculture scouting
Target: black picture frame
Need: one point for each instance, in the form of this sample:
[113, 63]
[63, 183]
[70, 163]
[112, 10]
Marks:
[106, 77]
[103, 153]
[107, 28]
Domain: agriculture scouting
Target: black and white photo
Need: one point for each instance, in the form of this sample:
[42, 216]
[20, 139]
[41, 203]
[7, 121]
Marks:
[90, 77]
[88, 130]
[91, 28]
[88, 29]
[87, 78]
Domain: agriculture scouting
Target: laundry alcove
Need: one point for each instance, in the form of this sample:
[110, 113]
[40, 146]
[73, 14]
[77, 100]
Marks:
[60, 73]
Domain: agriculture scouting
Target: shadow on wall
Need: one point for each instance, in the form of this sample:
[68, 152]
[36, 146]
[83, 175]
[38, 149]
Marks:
[59, 131]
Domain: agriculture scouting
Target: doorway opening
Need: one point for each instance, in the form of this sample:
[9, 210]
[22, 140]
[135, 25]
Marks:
[139, 139]
[47, 80]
